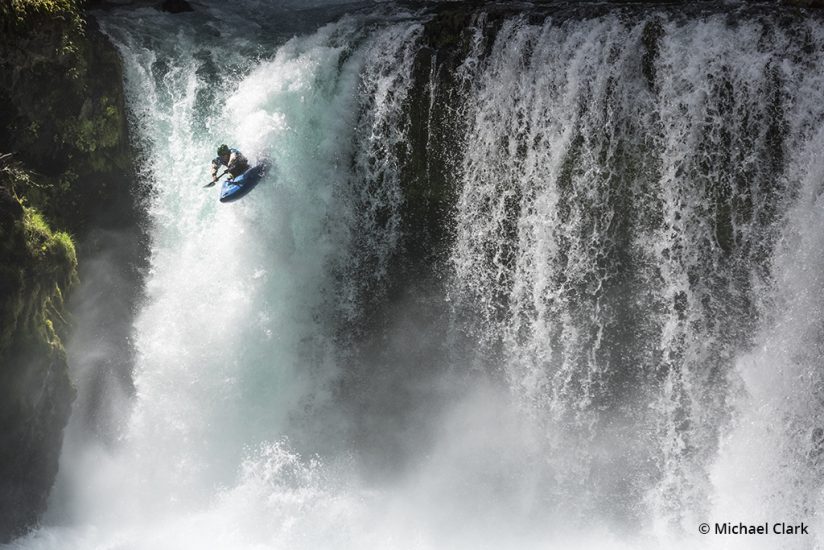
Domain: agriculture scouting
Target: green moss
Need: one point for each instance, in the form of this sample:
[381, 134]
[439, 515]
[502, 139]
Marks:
[38, 266]
[64, 248]
[36, 226]
[53, 253]
[100, 128]
[23, 13]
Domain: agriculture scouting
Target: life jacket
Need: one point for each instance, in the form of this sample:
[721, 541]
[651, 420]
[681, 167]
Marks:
[240, 164]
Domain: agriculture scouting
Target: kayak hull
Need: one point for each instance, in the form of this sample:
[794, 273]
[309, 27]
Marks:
[235, 188]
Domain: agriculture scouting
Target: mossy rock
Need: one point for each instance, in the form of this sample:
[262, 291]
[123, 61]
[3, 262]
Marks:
[63, 108]
[37, 268]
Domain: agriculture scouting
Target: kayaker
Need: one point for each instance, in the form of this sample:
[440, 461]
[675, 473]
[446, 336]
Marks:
[232, 159]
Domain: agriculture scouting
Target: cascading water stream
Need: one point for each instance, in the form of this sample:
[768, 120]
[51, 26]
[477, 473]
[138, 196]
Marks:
[615, 336]
[233, 294]
[616, 226]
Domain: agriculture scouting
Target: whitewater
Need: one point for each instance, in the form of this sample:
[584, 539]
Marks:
[553, 279]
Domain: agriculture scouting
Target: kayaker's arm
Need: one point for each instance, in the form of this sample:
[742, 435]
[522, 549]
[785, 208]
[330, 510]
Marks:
[216, 178]
[232, 161]
[215, 166]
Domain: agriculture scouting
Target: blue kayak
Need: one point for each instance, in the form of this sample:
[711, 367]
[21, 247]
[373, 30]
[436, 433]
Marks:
[235, 188]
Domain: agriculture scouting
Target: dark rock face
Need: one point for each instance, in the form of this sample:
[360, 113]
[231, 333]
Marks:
[62, 110]
[805, 3]
[35, 391]
[175, 6]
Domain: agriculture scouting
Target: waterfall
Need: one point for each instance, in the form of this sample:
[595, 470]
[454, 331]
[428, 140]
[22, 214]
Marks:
[520, 277]
[621, 201]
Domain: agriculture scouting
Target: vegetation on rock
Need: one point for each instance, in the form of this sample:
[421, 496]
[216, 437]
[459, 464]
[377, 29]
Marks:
[65, 162]
[37, 269]
[63, 108]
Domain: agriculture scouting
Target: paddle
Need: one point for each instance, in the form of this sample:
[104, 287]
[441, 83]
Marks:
[211, 183]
